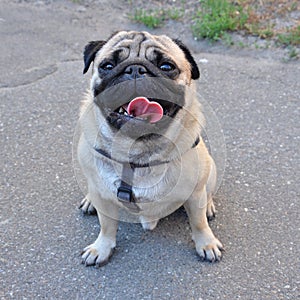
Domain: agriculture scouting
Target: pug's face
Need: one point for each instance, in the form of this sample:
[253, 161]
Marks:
[139, 77]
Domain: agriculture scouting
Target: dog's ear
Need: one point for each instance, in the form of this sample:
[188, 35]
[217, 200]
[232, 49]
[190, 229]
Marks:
[89, 53]
[194, 68]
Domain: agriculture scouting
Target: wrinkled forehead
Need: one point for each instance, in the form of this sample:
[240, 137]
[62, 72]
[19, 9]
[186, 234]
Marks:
[139, 44]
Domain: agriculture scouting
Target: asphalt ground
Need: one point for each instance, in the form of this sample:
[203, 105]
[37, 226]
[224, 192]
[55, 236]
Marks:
[256, 101]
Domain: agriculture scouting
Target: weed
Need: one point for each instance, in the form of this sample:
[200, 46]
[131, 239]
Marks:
[256, 46]
[150, 18]
[266, 33]
[241, 45]
[216, 17]
[228, 39]
[294, 6]
[155, 18]
[268, 44]
[174, 13]
[293, 53]
[254, 27]
[290, 38]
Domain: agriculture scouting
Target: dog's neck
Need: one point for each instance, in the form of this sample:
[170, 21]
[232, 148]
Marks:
[136, 164]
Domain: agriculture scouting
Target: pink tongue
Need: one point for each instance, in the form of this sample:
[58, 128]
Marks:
[142, 107]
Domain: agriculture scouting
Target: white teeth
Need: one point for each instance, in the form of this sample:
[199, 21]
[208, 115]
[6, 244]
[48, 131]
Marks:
[123, 111]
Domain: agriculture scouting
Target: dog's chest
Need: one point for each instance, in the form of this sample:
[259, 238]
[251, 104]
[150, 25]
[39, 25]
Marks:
[148, 183]
[173, 181]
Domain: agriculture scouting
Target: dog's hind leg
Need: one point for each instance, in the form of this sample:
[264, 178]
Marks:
[210, 189]
[86, 206]
[210, 208]
[148, 224]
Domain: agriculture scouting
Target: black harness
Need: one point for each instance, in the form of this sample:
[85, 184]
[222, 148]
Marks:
[124, 193]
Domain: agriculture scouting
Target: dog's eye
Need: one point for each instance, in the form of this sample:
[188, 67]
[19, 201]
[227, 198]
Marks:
[107, 66]
[166, 67]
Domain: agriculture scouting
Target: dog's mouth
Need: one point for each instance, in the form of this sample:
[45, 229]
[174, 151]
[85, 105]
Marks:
[142, 109]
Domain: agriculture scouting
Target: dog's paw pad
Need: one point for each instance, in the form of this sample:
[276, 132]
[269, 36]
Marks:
[87, 207]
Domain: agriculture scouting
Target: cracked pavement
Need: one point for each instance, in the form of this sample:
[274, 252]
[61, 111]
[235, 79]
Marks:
[41, 230]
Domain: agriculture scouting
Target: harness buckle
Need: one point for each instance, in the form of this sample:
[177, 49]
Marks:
[124, 194]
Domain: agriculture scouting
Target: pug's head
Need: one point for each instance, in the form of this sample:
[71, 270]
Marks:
[139, 78]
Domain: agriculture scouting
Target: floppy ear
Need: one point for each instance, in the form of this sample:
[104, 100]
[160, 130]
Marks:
[89, 53]
[194, 68]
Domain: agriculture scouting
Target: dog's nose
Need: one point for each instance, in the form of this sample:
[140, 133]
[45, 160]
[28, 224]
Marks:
[136, 71]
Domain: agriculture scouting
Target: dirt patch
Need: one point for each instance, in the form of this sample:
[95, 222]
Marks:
[282, 15]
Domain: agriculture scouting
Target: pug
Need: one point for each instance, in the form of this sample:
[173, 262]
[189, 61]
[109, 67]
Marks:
[140, 146]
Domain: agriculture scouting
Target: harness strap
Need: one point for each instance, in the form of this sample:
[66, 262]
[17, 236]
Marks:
[124, 193]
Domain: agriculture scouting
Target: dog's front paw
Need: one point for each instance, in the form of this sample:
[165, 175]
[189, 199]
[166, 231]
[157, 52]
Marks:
[98, 253]
[87, 207]
[208, 246]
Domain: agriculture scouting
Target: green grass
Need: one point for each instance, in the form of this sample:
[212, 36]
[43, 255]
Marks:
[150, 18]
[290, 38]
[294, 6]
[266, 33]
[174, 13]
[293, 53]
[227, 38]
[217, 17]
[154, 18]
